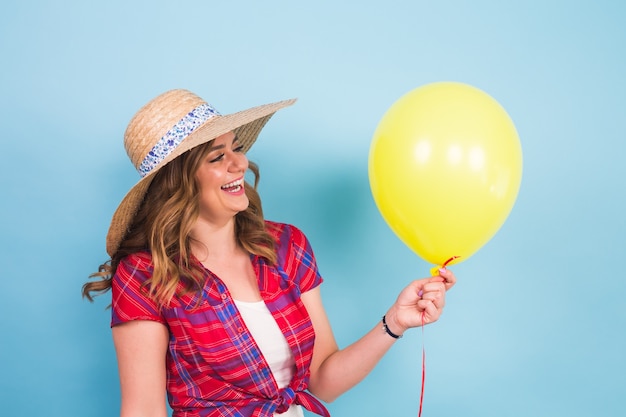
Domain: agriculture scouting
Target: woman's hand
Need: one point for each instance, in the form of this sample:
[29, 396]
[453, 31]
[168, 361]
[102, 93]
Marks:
[421, 302]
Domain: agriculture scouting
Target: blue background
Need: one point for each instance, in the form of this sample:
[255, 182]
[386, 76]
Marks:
[536, 324]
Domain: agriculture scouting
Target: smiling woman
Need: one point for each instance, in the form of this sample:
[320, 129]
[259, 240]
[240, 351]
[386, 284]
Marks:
[212, 303]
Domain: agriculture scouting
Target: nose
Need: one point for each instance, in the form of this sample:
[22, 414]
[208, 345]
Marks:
[238, 161]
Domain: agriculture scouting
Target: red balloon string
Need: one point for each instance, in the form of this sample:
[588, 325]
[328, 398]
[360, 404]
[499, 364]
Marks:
[423, 368]
[449, 260]
[419, 414]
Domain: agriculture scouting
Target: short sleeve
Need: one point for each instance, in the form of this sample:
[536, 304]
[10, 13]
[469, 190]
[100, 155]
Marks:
[130, 299]
[298, 260]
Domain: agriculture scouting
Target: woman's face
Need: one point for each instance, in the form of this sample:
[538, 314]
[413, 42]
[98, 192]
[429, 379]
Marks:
[220, 179]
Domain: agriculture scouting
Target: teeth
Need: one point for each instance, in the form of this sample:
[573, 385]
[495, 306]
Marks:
[236, 183]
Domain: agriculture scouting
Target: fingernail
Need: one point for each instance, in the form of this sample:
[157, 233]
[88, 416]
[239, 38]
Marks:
[420, 293]
[442, 269]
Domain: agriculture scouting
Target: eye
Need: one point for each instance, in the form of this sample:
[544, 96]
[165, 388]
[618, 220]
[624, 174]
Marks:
[218, 158]
[238, 148]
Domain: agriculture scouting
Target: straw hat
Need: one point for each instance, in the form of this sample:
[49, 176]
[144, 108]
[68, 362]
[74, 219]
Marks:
[168, 126]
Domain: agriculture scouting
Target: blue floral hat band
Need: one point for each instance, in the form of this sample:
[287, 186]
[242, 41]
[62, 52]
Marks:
[175, 136]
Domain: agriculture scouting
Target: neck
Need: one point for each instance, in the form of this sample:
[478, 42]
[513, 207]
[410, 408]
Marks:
[211, 241]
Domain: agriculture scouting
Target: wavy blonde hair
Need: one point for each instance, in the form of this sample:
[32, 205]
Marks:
[163, 223]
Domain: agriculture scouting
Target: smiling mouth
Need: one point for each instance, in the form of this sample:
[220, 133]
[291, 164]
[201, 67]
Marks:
[234, 186]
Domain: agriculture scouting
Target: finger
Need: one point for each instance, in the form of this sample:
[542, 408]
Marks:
[437, 297]
[428, 284]
[433, 286]
[440, 300]
[430, 311]
[448, 276]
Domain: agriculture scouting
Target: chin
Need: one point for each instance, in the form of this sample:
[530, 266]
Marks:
[243, 207]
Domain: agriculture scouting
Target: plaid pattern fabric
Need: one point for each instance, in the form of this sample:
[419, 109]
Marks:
[214, 367]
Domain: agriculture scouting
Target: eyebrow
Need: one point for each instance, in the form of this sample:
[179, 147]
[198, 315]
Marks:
[213, 148]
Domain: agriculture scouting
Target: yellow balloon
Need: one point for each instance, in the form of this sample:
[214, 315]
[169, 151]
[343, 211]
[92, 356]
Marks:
[445, 167]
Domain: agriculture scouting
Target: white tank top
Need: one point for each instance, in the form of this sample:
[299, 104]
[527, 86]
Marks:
[272, 344]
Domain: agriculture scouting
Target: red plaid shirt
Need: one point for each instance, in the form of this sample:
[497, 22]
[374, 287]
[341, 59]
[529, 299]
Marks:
[214, 367]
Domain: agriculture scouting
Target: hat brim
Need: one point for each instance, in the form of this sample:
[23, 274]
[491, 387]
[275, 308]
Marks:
[246, 124]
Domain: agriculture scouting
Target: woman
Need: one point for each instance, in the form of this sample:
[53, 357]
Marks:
[213, 304]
